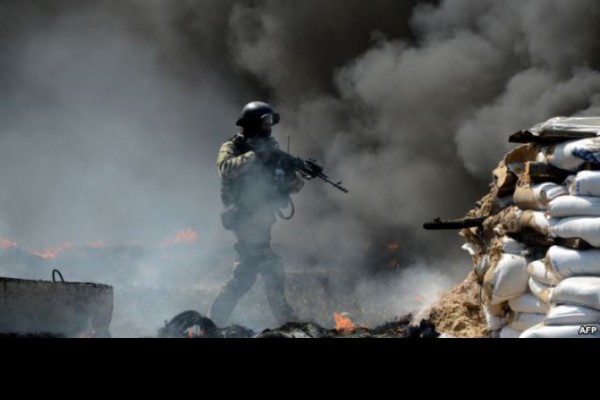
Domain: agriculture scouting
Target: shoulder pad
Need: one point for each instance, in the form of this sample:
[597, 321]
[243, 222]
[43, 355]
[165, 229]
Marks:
[238, 142]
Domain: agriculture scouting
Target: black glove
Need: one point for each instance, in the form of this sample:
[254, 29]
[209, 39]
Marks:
[264, 153]
[263, 150]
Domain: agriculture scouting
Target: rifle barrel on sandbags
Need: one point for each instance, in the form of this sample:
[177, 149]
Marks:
[457, 224]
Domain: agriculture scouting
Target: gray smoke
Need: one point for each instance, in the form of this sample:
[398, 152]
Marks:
[108, 127]
[112, 112]
[111, 115]
[416, 122]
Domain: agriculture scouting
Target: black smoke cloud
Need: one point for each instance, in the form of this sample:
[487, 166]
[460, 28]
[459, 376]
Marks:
[295, 47]
[112, 112]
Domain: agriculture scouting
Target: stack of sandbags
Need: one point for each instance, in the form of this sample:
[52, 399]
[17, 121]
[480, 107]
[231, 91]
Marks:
[525, 308]
[569, 279]
[505, 251]
[538, 276]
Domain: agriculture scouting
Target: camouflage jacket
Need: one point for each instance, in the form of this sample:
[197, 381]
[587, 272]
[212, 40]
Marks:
[250, 182]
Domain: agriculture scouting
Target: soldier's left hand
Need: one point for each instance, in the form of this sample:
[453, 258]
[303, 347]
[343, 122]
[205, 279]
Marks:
[263, 152]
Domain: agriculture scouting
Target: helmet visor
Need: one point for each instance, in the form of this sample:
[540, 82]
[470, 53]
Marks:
[270, 119]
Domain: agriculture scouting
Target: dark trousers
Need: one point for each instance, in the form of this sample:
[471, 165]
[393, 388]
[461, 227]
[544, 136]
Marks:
[255, 256]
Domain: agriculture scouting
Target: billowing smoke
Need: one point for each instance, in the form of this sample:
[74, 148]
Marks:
[416, 122]
[112, 112]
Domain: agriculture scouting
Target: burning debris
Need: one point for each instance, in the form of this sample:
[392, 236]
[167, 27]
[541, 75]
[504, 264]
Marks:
[63, 251]
[191, 324]
[6, 244]
[343, 323]
[182, 237]
[91, 255]
[186, 325]
[533, 240]
[53, 252]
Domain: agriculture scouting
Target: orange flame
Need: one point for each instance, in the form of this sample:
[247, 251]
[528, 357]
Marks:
[343, 324]
[186, 236]
[394, 247]
[6, 244]
[53, 252]
[394, 264]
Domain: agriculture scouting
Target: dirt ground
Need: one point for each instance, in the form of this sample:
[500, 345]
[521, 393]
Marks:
[459, 312]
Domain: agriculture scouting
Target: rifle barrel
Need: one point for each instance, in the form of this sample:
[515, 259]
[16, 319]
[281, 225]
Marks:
[465, 223]
[312, 169]
[336, 185]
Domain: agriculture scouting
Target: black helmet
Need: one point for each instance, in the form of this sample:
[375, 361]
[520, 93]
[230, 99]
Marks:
[258, 113]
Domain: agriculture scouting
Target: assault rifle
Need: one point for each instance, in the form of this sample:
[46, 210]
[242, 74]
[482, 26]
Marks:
[309, 169]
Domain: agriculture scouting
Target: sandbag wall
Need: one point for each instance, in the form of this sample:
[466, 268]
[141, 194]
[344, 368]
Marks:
[537, 254]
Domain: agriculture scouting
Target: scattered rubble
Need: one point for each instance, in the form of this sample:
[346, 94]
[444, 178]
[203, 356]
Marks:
[191, 324]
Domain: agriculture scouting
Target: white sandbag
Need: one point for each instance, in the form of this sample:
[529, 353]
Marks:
[566, 263]
[566, 314]
[536, 221]
[509, 333]
[571, 156]
[586, 228]
[541, 273]
[505, 245]
[562, 332]
[482, 266]
[522, 321]
[507, 280]
[537, 197]
[540, 291]
[582, 291]
[493, 319]
[574, 206]
[585, 183]
[511, 246]
[528, 303]
[470, 248]
[551, 191]
[527, 199]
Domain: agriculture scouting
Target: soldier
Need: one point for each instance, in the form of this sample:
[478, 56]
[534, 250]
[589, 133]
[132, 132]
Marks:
[255, 186]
